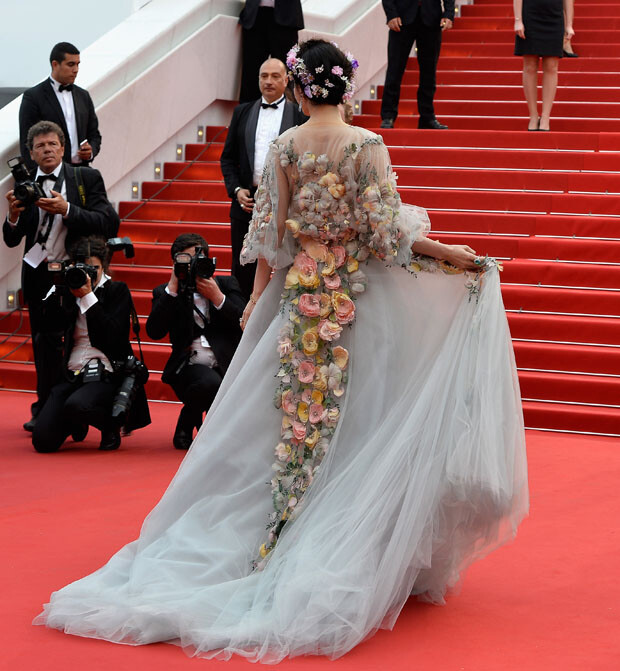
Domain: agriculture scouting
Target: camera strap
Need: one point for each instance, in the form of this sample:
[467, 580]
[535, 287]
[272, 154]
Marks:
[80, 185]
[205, 318]
[135, 326]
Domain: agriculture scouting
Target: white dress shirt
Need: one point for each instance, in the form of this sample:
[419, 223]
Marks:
[55, 243]
[68, 109]
[201, 350]
[266, 3]
[267, 130]
[83, 351]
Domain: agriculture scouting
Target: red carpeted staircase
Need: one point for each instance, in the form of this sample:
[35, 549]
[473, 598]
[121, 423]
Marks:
[546, 203]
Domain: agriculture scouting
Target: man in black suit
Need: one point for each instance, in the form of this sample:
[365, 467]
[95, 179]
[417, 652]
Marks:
[422, 22]
[203, 326]
[59, 100]
[76, 205]
[93, 320]
[269, 29]
[252, 129]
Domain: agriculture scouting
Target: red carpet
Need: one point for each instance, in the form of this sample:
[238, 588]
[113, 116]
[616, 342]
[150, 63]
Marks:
[549, 601]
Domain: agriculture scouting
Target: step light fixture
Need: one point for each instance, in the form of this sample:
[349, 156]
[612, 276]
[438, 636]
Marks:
[11, 299]
[179, 152]
[157, 171]
[135, 190]
[200, 135]
[373, 92]
[357, 107]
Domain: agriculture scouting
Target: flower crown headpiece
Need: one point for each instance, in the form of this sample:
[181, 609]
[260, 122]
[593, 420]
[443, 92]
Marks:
[311, 90]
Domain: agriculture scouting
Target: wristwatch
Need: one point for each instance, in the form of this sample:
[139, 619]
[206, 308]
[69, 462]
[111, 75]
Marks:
[237, 189]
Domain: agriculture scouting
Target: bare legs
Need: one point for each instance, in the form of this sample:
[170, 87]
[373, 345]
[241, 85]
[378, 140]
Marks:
[530, 88]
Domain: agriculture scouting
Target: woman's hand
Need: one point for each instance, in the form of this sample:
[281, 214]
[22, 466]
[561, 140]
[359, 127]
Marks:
[462, 256]
[569, 33]
[520, 28]
[249, 308]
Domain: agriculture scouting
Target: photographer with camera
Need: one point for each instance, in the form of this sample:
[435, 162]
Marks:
[92, 313]
[51, 209]
[200, 313]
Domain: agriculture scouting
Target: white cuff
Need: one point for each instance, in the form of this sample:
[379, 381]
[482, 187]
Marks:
[174, 294]
[219, 307]
[86, 302]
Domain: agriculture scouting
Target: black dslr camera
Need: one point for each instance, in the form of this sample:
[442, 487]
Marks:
[187, 268]
[134, 374]
[75, 275]
[26, 190]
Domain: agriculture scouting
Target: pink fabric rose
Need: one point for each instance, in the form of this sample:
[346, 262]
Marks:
[329, 330]
[341, 255]
[299, 430]
[289, 404]
[305, 264]
[317, 413]
[344, 308]
[332, 282]
[305, 372]
[310, 305]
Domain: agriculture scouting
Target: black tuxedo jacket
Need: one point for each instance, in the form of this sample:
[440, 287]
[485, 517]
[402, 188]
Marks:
[108, 323]
[174, 316]
[407, 10]
[237, 160]
[41, 104]
[286, 13]
[95, 217]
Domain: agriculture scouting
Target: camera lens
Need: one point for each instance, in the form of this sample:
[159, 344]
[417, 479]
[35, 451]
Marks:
[75, 278]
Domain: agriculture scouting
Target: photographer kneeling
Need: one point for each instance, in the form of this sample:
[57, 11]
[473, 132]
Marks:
[92, 313]
[201, 313]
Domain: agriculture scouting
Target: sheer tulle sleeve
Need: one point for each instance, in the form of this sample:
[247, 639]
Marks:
[388, 226]
[267, 236]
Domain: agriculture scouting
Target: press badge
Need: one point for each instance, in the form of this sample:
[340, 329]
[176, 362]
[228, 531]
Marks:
[35, 255]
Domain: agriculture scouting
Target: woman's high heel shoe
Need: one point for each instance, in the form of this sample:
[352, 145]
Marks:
[570, 54]
[537, 126]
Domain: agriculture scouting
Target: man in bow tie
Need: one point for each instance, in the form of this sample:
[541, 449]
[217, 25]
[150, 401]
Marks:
[253, 128]
[58, 99]
[76, 205]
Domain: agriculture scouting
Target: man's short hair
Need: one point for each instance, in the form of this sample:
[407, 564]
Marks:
[89, 246]
[186, 240]
[59, 51]
[43, 128]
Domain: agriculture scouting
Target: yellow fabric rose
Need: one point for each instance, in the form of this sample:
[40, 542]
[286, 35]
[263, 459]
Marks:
[312, 439]
[264, 551]
[315, 250]
[329, 179]
[320, 379]
[293, 226]
[352, 265]
[292, 278]
[317, 397]
[310, 341]
[326, 305]
[337, 190]
[330, 265]
[311, 281]
[302, 411]
[341, 357]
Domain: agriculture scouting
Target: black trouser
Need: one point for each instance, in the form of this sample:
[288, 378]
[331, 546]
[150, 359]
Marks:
[243, 274]
[46, 347]
[196, 387]
[428, 41]
[264, 39]
[69, 405]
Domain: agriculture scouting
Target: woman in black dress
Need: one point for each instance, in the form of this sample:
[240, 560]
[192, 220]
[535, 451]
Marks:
[540, 31]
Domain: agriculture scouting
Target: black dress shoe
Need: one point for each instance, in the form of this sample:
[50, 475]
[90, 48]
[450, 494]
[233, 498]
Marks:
[182, 439]
[432, 124]
[570, 54]
[110, 439]
[184, 431]
[29, 425]
[79, 432]
[387, 123]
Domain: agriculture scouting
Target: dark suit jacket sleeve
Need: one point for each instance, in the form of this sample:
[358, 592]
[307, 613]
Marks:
[28, 219]
[234, 304]
[92, 132]
[108, 323]
[29, 114]
[98, 217]
[229, 161]
[162, 313]
[390, 9]
[448, 10]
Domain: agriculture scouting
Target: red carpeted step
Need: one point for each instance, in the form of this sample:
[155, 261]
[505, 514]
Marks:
[526, 271]
[592, 330]
[570, 358]
[140, 278]
[179, 190]
[571, 388]
[506, 48]
[486, 25]
[170, 212]
[202, 170]
[487, 76]
[509, 63]
[148, 231]
[566, 301]
[591, 9]
[159, 255]
[565, 417]
[203, 152]
[499, 108]
[602, 34]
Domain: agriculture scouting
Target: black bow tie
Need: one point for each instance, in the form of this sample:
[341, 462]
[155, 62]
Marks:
[43, 178]
[272, 105]
[65, 87]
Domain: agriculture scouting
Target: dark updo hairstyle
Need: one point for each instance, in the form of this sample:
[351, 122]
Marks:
[315, 54]
[93, 245]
